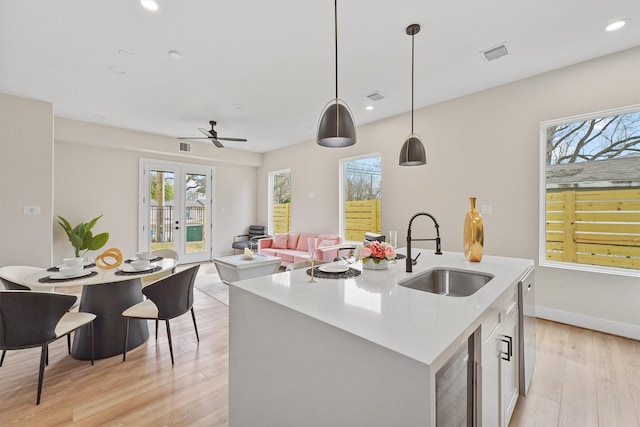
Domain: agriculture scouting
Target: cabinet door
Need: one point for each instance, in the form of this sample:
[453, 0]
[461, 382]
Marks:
[509, 367]
[490, 396]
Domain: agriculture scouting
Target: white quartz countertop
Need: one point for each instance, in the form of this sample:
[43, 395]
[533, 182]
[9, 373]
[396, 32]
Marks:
[417, 324]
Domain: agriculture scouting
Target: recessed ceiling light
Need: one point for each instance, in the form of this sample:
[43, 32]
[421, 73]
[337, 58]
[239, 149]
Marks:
[616, 25]
[369, 107]
[238, 106]
[117, 70]
[150, 5]
[175, 55]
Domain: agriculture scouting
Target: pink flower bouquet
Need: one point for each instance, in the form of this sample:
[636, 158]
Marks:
[375, 251]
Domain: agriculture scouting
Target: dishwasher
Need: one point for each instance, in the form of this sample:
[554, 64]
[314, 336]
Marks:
[527, 329]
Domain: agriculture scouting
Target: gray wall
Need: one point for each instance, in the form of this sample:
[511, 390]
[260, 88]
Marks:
[484, 145]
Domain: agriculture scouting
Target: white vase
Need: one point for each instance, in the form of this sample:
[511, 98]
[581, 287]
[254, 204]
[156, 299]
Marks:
[370, 265]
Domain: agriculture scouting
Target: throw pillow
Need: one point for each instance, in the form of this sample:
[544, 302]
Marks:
[292, 243]
[280, 241]
[328, 240]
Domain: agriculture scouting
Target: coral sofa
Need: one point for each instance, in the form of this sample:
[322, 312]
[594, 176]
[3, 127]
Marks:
[293, 247]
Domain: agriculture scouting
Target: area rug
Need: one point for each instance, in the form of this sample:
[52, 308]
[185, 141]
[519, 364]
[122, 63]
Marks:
[210, 284]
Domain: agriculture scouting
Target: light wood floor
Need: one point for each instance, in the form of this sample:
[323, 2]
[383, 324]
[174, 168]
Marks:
[583, 378]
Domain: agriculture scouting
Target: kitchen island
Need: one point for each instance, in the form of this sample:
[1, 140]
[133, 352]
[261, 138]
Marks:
[355, 351]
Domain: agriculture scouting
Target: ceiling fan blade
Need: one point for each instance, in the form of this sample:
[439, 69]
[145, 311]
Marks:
[233, 139]
[193, 137]
[206, 132]
[216, 143]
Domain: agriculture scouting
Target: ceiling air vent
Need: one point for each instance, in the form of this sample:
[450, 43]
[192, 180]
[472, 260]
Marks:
[185, 146]
[376, 96]
[495, 52]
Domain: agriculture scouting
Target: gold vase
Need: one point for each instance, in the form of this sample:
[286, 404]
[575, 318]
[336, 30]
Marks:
[473, 233]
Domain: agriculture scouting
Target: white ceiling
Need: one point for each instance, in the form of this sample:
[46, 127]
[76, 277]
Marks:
[275, 58]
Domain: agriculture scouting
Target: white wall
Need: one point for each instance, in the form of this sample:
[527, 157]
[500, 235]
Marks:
[93, 170]
[26, 165]
[96, 172]
[485, 145]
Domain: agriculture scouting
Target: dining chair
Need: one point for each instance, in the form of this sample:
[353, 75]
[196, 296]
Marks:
[167, 298]
[35, 319]
[166, 253]
[154, 277]
[12, 276]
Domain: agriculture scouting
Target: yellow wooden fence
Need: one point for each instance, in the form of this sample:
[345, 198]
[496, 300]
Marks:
[281, 217]
[361, 216]
[594, 227]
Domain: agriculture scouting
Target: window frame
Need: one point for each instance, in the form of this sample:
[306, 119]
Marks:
[542, 256]
[272, 175]
[341, 201]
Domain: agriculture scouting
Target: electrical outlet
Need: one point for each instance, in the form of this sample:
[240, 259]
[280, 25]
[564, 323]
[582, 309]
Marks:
[486, 209]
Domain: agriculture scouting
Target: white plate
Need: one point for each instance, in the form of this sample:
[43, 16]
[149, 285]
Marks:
[333, 268]
[60, 276]
[84, 264]
[128, 268]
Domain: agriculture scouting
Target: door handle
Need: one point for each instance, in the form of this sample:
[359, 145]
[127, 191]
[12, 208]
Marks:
[509, 340]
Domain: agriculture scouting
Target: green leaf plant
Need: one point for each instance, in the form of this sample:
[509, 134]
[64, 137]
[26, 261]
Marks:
[81, 237]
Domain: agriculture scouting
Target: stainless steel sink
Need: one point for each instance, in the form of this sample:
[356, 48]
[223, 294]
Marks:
[449, 282]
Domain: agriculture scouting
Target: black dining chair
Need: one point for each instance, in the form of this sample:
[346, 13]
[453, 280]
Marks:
[12, 277]
[35, 319]
[167, 298]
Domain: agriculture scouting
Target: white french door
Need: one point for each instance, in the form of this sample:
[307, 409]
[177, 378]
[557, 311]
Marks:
[176, 208]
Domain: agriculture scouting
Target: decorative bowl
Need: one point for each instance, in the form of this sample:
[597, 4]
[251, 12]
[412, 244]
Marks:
[71, 270]
[140, 264]
[144, 255]
[72, 261]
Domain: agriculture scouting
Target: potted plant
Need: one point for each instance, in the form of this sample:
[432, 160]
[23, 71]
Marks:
[81, 237]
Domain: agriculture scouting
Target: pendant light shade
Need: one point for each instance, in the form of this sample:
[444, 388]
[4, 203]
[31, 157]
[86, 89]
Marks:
[412, 152]
[336, 127]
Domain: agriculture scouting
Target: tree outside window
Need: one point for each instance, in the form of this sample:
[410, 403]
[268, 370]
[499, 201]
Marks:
[591, 192]
[361, 196]
[280, 201]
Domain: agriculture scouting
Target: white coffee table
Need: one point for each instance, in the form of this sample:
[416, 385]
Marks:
[237, 267]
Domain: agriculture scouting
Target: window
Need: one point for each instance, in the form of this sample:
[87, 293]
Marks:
[280, 201]
[360, 197]
[590, 192]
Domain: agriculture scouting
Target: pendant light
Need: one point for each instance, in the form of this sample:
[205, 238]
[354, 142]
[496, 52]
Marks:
[336, 127]
[412, 152]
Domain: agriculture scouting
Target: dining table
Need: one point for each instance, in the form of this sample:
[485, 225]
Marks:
[105, 293]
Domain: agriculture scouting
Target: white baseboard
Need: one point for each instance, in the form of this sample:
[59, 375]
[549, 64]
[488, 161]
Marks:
[608, 326]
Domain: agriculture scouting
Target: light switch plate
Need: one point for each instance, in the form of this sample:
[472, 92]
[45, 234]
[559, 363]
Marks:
[486, 209]
[32, 210]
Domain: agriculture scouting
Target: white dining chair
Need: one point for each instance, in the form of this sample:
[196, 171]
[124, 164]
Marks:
[12, 276]
[154, 277]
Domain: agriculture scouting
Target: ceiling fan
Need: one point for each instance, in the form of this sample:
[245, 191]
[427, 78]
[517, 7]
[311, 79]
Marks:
[212, 136]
